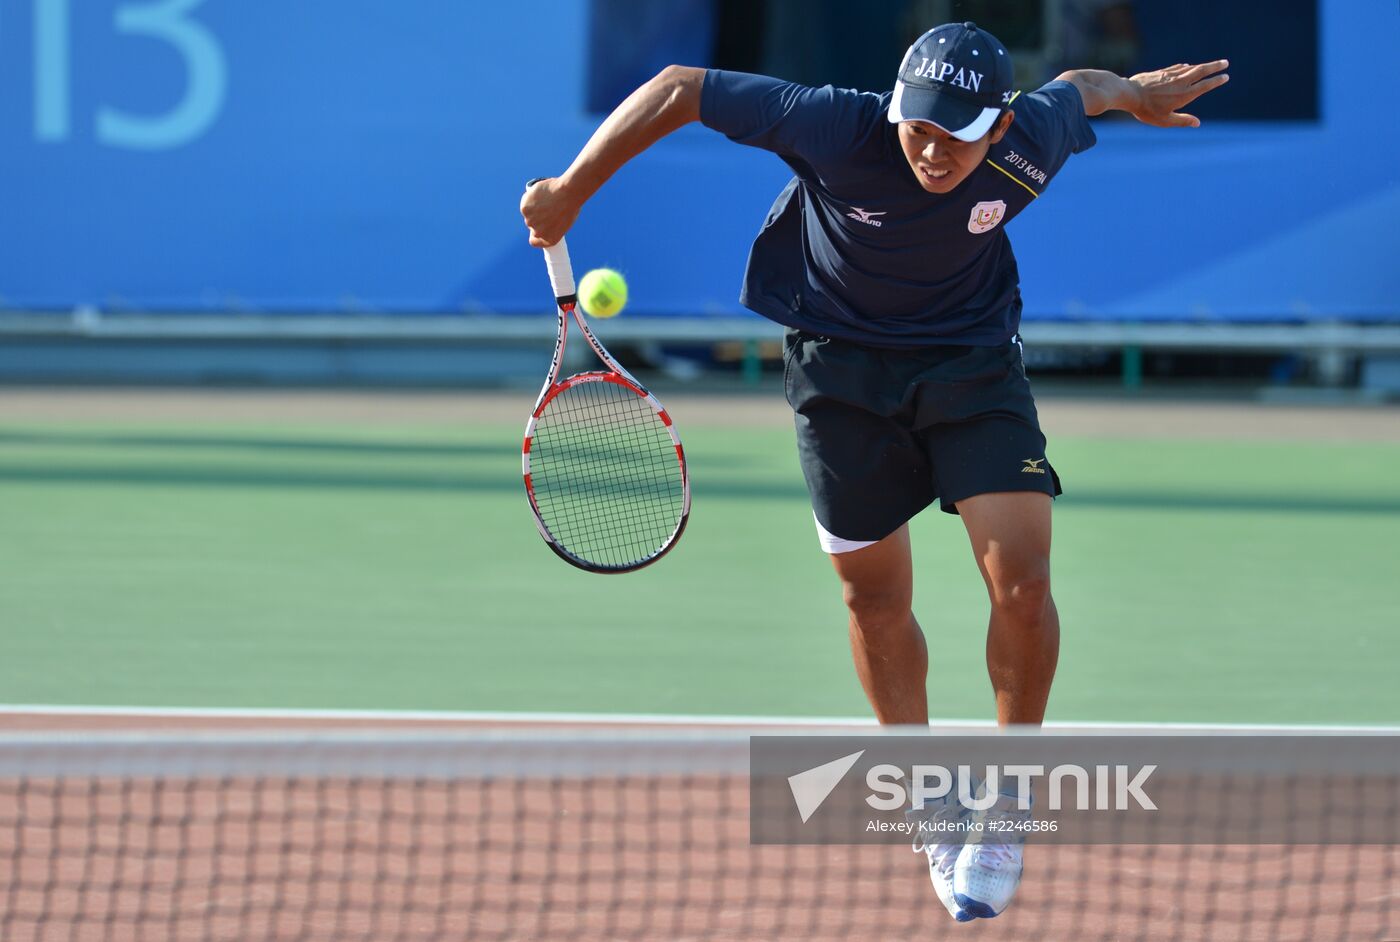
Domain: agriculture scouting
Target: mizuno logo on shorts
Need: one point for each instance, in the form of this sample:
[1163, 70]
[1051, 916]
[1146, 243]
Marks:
[1033, 466]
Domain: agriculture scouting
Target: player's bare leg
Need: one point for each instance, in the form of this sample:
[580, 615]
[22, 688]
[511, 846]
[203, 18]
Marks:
[1010, 535]
[892, 661]
[891, 658]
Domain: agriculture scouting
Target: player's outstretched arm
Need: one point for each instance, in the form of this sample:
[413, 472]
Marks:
[1152, 97]
[669, 101]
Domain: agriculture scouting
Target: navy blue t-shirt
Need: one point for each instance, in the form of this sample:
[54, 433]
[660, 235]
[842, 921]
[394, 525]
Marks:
[854, 247]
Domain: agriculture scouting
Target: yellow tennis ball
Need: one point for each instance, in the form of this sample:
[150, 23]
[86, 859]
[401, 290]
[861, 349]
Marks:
[602, 292]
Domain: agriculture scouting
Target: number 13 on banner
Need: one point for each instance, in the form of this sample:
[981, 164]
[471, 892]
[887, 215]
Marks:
[166, 21]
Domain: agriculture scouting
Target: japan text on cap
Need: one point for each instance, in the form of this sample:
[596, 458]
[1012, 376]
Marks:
[955, 76]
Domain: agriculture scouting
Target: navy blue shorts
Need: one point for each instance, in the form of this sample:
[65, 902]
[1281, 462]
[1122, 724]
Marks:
[882, 433]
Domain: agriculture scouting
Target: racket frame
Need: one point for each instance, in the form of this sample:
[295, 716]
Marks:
[566, 301]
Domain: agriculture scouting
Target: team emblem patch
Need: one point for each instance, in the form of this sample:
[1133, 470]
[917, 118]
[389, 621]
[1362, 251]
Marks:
[985, 216]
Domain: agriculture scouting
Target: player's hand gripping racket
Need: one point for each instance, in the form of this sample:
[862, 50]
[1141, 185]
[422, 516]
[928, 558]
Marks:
[603, 465]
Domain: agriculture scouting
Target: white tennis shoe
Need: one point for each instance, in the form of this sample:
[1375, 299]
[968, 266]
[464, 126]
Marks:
[986, 876]
[942, 857]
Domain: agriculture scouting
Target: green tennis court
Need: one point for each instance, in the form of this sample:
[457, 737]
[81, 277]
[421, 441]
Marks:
[384, 564]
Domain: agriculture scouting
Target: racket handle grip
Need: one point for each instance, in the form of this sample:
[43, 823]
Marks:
[561, 270]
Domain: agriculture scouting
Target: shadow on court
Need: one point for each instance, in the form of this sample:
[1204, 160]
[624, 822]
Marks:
[716, 484]
[276, 445]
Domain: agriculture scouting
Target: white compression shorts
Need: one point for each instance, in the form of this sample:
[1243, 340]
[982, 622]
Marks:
[834, 544]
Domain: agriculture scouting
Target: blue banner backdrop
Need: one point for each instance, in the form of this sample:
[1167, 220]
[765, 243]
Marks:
[362, 155]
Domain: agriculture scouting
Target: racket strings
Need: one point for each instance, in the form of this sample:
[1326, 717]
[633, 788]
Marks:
[607, 480]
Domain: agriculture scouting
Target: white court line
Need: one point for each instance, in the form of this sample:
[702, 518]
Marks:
[631, 719]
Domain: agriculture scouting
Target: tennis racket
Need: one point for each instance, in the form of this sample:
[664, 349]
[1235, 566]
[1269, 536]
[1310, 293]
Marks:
[604, 468]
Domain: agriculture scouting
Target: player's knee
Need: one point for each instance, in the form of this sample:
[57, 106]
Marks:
[1023, 596]
[874, 607]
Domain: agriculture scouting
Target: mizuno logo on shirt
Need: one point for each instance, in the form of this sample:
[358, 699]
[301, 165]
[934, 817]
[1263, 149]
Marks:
[861, 215]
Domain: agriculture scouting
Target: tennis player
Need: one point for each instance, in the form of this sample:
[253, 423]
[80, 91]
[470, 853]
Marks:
[887, 259]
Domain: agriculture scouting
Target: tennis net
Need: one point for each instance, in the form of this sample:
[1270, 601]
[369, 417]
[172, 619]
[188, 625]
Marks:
[546, 835]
